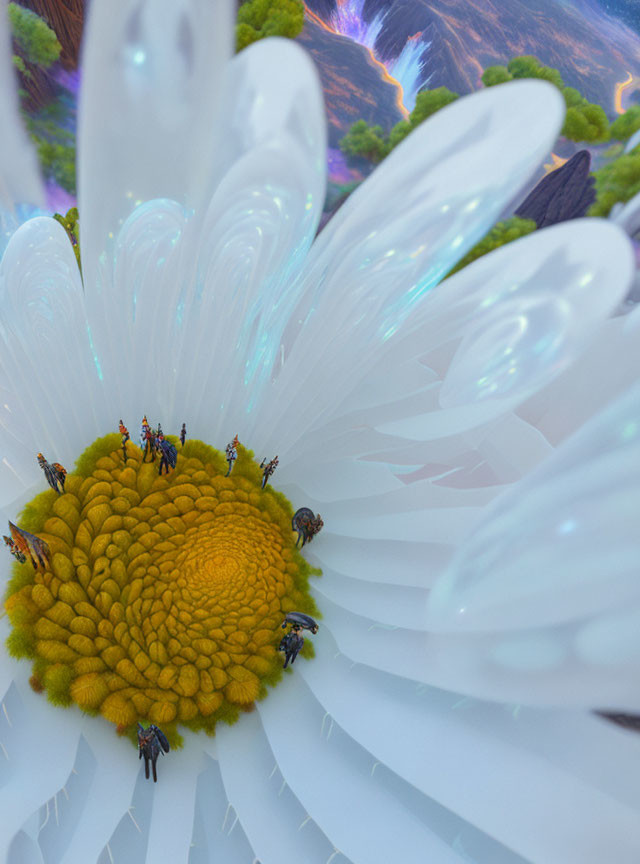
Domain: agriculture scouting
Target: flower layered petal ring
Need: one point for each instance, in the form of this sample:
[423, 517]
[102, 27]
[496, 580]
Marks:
[471, 622]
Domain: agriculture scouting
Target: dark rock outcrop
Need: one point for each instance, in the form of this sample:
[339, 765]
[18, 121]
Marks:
[566, 193]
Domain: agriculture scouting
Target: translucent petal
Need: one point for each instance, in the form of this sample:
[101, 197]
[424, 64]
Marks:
[467, 756]
[509, 323]
[28, 753]
[175, 793]
[257, 231]
[217, 833]
[51, 391]
[381, 828]
[109, 796]
[543, 554]
[397, 605]
[628, 218]
[156, 70]
[269, 811]
[378, 560]
[551, 574]
[439, 192]
[609, 364]
[535, 667]
[148, 273]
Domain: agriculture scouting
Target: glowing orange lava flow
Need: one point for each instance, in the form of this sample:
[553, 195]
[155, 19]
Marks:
[556, 162]
[383, 69]
[632, 82]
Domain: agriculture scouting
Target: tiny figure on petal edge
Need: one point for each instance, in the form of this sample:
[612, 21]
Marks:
[232, 454]
[54, 472]
[268, 469]
[307, 524]
[151, 742]
[292, 643]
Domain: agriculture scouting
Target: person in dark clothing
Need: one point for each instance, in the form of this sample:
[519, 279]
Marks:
[151, 742]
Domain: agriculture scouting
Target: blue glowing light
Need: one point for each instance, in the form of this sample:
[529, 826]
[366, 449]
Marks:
[94, 355]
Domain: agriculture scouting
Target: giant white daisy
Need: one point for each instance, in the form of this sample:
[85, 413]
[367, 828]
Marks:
[419, 418]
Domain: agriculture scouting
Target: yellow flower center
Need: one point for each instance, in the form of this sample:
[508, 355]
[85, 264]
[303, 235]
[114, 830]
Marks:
[164, 594]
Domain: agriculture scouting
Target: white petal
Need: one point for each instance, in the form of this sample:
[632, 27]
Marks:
[34, 771]
[397, 605]
[380, 828]
[257, 231]
[538, 557]
[467, 756]
[439, 191]
[218, 834]
[535, 667]
[114, 768]
[509, 323]
[629, 216]
[377, 560]
[156, 70]
[559, 554]
[171, 824]
[605, 370]
[270, 813]
[50, 388]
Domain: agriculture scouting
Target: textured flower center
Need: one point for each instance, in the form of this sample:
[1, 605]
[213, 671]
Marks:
[163, 595]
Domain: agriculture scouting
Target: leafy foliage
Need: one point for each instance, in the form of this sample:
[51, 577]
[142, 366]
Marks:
[36, 41]
[584, 120]
[55, 145]
[501, 234]
[493, 75]
[371, 143]
[260, 18]
[364, 140]
[616, 183]
[624, 126]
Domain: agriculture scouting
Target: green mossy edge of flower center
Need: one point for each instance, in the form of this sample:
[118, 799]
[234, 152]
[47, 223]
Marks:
[93, 673]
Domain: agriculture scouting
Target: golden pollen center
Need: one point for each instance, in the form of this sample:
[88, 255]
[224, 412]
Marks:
[163, 595]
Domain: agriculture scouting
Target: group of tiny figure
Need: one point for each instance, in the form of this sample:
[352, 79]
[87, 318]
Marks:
[231, 452]
[23, 545]
[153, 443]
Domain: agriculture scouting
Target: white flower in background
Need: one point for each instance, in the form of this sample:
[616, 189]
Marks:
[399, 410]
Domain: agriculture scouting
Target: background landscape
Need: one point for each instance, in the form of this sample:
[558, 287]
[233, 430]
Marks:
[374, 57]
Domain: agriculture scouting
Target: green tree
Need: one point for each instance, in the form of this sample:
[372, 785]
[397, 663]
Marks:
[260, 18]
[587, 122]
[364, 140]
[428, 102]
[36, 41]
[398, 133]
[584, 120]
[371, 142]
[501, 234]
[616, 183]
[493, 75]
[530, 67]
[624, 126]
